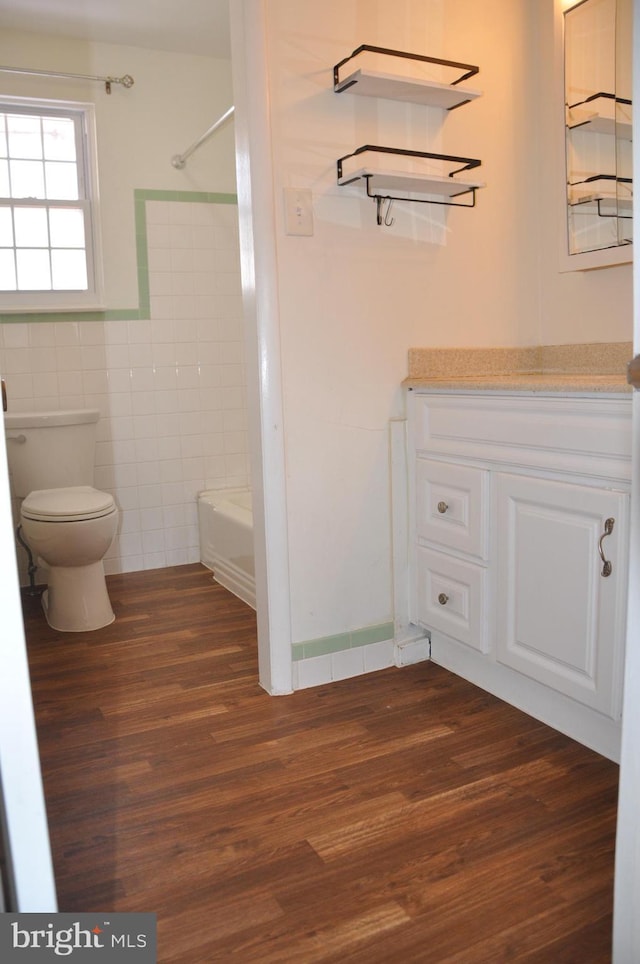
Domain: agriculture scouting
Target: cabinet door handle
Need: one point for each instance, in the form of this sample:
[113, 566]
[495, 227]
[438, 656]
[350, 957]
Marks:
[608, 529]
[442, 507]
[443, 599]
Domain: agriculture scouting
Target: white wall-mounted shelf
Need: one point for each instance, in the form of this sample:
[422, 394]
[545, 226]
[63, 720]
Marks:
[437, 183]
[371, 83]
[602, 187]
[402, 183]
[597, 124]
[602, 113]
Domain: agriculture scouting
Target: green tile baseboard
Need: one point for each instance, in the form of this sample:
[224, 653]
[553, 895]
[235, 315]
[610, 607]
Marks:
[342, 641]
[143, 311]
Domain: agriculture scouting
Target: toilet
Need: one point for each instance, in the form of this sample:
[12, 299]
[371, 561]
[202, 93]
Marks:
[67, 523]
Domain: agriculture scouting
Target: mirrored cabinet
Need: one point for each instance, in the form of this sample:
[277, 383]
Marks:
[598, 131]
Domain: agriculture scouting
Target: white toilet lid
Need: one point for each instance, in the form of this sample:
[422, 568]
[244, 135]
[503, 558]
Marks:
[72, 504]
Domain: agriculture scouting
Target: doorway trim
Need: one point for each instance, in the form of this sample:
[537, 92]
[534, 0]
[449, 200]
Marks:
[258, 243]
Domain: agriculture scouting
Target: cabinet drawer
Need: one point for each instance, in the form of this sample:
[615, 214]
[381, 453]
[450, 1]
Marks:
[450, 596]
[590, 436]
[451, 506]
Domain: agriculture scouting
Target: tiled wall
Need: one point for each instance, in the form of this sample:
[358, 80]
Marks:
[170, 389]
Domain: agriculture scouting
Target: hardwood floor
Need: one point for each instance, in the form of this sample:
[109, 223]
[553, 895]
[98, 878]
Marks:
[404, 816]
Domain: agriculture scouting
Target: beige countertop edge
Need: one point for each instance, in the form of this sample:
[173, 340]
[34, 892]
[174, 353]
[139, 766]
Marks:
[543, 382]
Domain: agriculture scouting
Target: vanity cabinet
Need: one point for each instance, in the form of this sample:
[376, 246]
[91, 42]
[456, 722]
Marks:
[519, 533]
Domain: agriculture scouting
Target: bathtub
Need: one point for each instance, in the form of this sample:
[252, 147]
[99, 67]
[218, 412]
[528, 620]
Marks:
[225, 520]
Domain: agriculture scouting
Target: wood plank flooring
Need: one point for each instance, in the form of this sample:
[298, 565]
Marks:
[405, 816]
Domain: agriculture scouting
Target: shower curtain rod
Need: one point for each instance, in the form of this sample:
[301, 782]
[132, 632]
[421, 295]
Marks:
[179, 160]
[126, 81]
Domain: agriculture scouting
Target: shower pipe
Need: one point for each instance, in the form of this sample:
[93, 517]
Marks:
[126, 81]
[179, 160]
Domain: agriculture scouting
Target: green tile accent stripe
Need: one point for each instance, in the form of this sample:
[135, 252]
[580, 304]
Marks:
[143, 311]
[142, 255]
[337, 644]
[112, 314]
[203, 197]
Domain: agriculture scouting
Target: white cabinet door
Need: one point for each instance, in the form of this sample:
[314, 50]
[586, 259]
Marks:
[560, 620]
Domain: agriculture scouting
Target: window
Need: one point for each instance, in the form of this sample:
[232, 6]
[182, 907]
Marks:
[48, 209]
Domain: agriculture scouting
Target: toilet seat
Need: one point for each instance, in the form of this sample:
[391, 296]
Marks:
[77, 503]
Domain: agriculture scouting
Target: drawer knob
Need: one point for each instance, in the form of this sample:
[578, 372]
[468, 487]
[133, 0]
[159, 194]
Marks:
[442, 507]
[443, 599]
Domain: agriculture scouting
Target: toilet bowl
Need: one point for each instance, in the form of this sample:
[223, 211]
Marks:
[67, 524]
[70, 530]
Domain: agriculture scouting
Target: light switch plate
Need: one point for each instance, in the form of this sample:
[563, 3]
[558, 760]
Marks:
[298, 211]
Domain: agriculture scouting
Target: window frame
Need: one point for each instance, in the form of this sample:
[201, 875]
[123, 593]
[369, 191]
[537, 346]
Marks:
[83, 116]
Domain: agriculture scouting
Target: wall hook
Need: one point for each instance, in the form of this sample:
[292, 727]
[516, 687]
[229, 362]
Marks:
[380, 218]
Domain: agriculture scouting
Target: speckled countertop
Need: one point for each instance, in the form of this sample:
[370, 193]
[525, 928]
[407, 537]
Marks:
[545, 368]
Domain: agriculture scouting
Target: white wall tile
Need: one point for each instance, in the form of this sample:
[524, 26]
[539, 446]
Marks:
[155, 560]
[67, 333]
[16, 361]
[348, 663]
[20, 387]
[117, 356]
[39, 360]
[148, 473]
[153, 541]
[314, 671]
[92, 333]
[160, 283]
[378, 656]
[157, 212]
[151, 518]
[119, 403]
[149, 495]
[42, 335]
[141, 355]
[95, 383]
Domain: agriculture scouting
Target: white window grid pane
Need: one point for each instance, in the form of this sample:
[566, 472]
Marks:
[5, 190]
[67, 227]
[34, 269]
[68, 270]
[3, 135]
[7, 270]
[6, 228]
[25, 136]
[61, 180]
[59, 138]
[26, 179]
[31, 227]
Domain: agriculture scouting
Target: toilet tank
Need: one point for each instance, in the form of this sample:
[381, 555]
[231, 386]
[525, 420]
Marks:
[50, 450]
